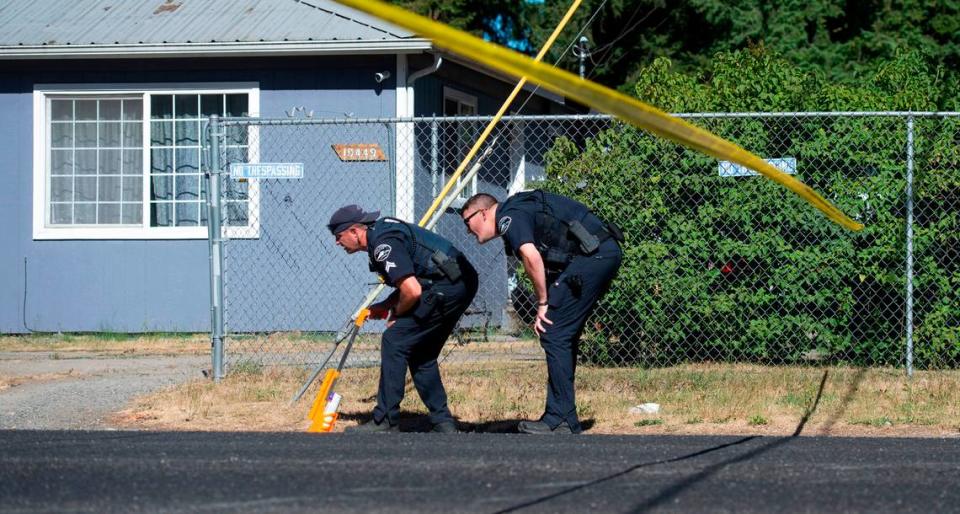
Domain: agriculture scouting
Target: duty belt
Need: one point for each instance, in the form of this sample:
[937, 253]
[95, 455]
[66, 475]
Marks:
[556, 259]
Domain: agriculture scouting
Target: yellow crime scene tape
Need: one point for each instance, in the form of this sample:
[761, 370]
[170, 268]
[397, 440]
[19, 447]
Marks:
[604, 99]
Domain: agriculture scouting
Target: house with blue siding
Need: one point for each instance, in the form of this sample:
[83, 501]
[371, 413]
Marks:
[105, 103]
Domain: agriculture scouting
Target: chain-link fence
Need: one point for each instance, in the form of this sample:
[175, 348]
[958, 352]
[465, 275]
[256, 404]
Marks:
[720, 264]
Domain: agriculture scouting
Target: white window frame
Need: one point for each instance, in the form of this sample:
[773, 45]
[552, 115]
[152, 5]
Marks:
[41, 146]
[463, 99]
[460, 97]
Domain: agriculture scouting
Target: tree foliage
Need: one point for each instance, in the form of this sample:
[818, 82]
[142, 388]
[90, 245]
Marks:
[846, 41]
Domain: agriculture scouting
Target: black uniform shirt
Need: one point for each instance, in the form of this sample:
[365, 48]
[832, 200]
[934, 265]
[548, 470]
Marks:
[390, 256]
[516, 217]
[515, 223]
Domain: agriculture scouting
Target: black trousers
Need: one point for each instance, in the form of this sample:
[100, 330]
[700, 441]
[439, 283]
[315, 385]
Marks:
[414, 341]
[572, 295]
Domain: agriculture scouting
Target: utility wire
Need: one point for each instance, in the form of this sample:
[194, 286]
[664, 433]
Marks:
[608, 48]
[564, 53]
[624, 54]
[627, 30]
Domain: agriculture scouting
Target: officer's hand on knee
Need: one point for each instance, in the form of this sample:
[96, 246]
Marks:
[538, 324]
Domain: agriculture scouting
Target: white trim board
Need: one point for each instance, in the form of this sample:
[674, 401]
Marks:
[226, 49]
[404, 146]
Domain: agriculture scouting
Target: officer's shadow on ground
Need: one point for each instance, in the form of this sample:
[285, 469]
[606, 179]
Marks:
[416, 422]
[509, 426]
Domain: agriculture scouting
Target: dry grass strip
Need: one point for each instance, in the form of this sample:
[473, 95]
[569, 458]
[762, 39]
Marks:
[694, 399]
[8, 382]
[109, 344]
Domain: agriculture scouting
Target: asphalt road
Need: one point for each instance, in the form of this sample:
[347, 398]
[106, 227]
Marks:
[72, 471]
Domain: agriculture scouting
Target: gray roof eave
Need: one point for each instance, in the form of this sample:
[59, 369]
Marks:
[226, 49]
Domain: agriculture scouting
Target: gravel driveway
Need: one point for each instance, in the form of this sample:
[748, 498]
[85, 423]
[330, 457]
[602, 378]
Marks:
[80, 390]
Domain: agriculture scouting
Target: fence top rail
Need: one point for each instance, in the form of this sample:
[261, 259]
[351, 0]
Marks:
[583, 117]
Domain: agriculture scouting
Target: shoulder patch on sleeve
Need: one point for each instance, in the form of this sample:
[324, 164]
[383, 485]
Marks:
[504, 224]
[381, 252]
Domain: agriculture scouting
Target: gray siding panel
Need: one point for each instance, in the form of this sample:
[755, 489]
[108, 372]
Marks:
[117, 286]
[15, 144]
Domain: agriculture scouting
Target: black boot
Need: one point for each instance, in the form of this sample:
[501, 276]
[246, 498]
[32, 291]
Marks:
[446, 427]
[539, 427]
[372, 427]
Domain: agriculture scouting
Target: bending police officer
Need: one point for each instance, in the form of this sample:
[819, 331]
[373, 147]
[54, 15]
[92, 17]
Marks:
[571, 256]
[434, 286]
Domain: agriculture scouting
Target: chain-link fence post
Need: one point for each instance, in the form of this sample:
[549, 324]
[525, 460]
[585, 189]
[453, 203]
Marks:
[215, 244]
[909, 270]
[434, 163]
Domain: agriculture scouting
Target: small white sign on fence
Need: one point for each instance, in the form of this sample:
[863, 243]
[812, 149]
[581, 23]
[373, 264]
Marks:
[267, 170]
[787, 165]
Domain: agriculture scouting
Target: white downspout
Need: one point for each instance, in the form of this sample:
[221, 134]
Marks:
[406, 140]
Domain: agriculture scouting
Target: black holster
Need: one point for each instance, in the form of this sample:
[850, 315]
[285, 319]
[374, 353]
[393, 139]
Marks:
[429, 301]
[575, 283]
[556, 259]
[589, 243]
[446, 265]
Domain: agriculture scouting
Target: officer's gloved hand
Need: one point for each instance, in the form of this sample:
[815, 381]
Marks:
[379, 311]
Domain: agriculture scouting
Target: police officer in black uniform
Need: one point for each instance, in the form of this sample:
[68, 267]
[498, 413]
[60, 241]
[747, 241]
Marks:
[571, 256]
[434, 286]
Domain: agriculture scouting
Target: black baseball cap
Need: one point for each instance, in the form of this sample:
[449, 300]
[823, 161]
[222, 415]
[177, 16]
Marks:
[350, 215]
